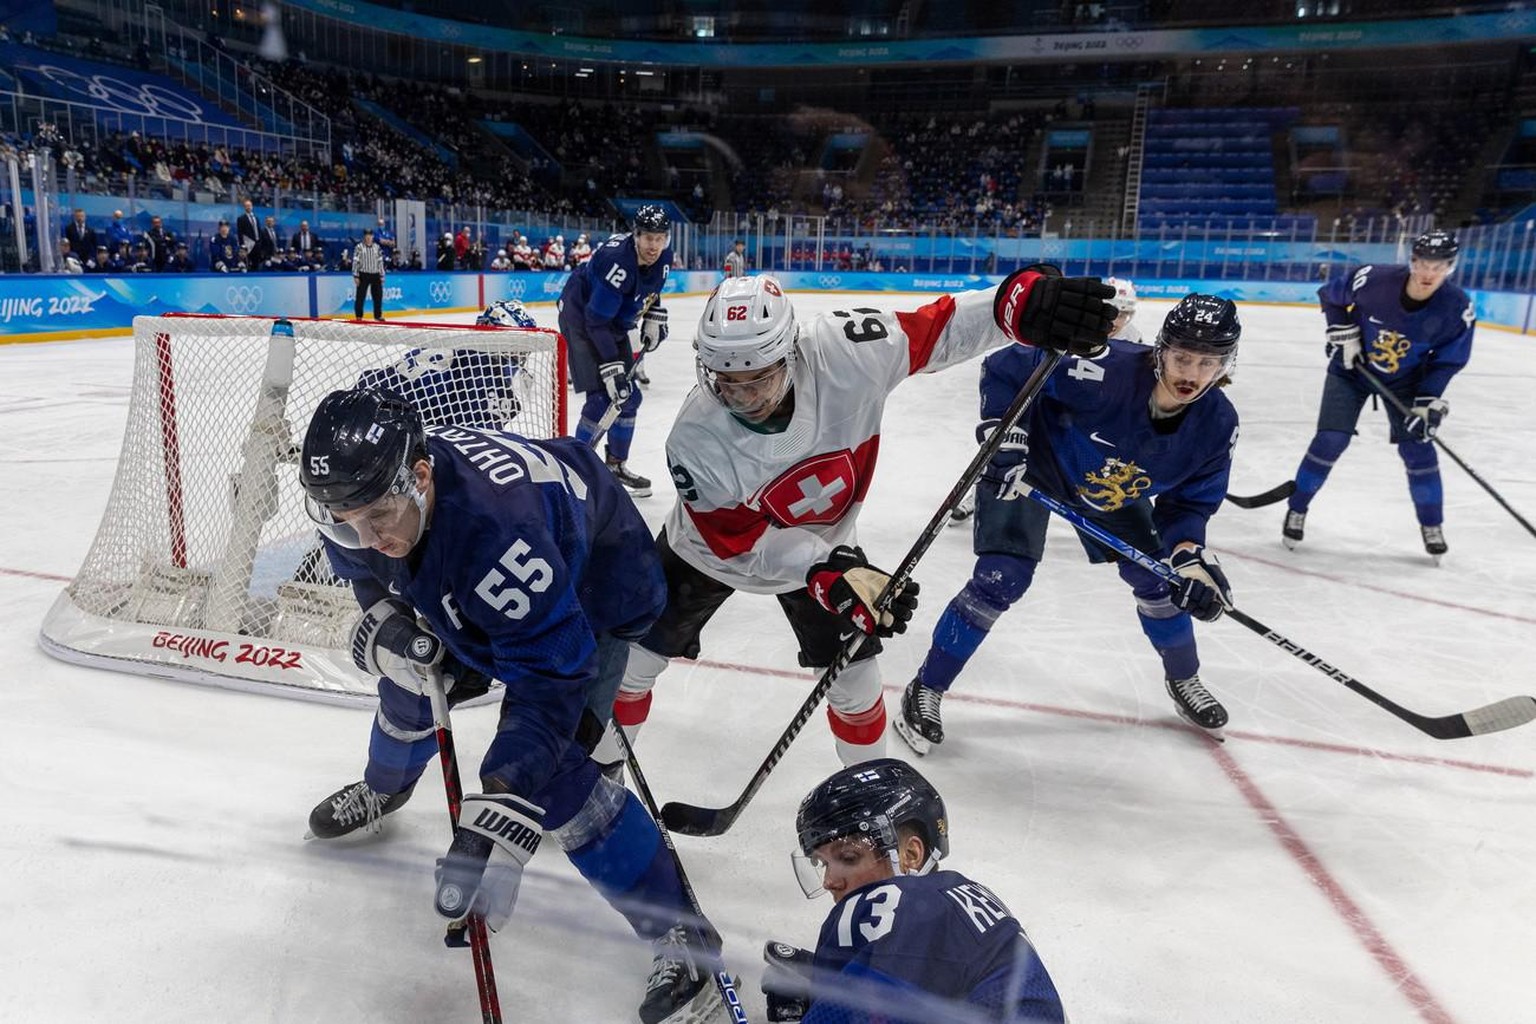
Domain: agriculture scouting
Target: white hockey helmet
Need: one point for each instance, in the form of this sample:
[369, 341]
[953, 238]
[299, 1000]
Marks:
[1125, 295]
[748, 333]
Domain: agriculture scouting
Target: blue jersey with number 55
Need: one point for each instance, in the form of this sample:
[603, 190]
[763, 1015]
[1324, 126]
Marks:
[533, 549]
[1093, 443]
[612, 290]
[909, 948]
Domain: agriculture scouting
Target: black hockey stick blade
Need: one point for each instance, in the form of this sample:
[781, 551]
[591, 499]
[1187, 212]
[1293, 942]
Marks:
[1268, 497]
[712, 821]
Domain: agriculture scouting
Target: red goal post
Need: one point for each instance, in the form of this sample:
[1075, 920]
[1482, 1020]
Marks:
[205, 566]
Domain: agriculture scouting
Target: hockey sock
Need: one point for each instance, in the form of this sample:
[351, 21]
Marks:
[1423, 467]
[859, 736]
[1171, 631]
[403, 741]
[631, 867]
[591, 411]
[622, 433]
[1315, 466]
[996, 583]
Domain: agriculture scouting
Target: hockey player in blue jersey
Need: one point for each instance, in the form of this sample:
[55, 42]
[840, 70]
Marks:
[1140, 442]
[615, 292]
[1412, 329]
[906, 940]
[486, 556]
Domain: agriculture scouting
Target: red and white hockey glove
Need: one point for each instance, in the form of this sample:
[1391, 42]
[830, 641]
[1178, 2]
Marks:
[847, 585]
[1065, 314]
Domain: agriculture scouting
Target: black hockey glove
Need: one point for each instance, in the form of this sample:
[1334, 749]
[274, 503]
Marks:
[847, 585]
[1203, 590]
[481, 873]
[1424, 418]
[787, 982]
[1064, 314]
[386, 641]
[615, 378]
[1345, 340]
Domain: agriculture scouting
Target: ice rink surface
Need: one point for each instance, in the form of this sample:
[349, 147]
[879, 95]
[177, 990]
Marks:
[1328, 863]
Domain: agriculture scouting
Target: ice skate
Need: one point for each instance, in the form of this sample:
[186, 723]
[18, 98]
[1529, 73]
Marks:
[1434, 542]
[963, 511]
[641, 378]
[637, 485]
[353, 808]
[1294, 528]
[919, 722]
[681, 988]
[1196, 705]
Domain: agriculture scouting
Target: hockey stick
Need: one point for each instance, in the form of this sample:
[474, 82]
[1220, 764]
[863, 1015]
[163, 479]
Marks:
[723, 980]
[1403, 411]
[712, 821]
[474, 924]
[1503, 714]
[1263, 498]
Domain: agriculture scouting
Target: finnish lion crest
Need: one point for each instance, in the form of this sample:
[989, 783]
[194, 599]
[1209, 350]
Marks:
[1114, 484]
[1388, 349]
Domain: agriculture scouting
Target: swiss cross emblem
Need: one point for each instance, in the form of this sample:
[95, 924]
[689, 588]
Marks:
[818, 490]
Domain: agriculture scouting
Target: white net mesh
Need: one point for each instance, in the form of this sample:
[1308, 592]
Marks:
[205, 565]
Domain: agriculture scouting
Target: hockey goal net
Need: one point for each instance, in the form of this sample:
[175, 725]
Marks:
[205, 566]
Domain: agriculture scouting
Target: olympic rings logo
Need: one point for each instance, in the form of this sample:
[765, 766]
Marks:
[516, 287]
[149, 99]
[829, 280]
[441, 291]
[242, 298]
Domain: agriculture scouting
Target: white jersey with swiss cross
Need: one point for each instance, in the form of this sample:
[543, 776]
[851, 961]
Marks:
[756, 510]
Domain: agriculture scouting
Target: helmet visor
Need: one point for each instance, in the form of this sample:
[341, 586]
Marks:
[751, 394]
[367, 527]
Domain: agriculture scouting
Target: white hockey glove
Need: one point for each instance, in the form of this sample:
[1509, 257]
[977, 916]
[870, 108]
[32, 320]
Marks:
[1345, 340]
[1203, 590]
[653, 328]
[481, 873]
[1423, 420]
[1010, 461]
[386, 641]
[615, 378]
[847, 585]
[787, 982]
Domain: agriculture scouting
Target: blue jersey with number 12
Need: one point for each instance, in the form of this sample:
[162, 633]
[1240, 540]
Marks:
[612, 290]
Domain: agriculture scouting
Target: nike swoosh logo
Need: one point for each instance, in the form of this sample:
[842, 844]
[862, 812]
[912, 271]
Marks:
[1094, 436]
[393, 589]
[1373, 320]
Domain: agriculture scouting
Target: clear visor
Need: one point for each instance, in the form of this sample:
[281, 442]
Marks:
[1431, 267]
[365, 527]
[811, 868]
[752, 394]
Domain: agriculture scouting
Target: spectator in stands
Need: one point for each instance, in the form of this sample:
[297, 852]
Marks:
[368, 274]
[159, 242]
[69, 263]
[303, 239]
[224, 255]
[248, 230]
[82, 238]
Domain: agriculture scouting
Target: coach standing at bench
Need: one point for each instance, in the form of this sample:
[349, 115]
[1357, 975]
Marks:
[368, 275]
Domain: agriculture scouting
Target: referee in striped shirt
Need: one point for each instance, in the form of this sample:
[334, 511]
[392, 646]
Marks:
[368, 275]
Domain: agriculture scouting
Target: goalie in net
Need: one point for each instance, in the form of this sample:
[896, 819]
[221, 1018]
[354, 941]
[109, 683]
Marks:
[205, 566]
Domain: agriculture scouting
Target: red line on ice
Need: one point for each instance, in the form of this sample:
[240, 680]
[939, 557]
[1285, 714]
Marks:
[1170, 723]
[1403, 977]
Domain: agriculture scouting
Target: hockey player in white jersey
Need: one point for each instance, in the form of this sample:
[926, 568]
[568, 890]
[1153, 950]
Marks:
[1125, 309]
[773, 453]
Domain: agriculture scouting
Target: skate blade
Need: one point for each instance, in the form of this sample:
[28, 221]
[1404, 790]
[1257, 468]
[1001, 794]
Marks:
[1217, 735]
[1291, 544]
[1435, 560]
[704, 1008]
[919, 743]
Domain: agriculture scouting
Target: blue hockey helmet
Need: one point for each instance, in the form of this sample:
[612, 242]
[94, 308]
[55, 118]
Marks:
[360, 446]
[1436, 245]
[505, 313]
[651, 219]
[873, 800]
